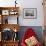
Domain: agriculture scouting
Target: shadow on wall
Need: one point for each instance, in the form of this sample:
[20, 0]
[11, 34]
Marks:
[37, 29]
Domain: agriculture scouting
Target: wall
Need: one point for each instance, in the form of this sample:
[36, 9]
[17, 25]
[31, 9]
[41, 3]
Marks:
[27, 4]
[32, 4]
[7, 3]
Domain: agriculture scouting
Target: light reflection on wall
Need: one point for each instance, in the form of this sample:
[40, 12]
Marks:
[7, 3]
[10, 3]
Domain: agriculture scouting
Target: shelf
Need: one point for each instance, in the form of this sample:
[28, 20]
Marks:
[9, 10]
[6, 12]
[9, 20]
[11, 41]
[10, 26]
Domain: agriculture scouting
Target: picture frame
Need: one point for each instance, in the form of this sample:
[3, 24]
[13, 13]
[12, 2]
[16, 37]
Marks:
[5, 12]
[30, 13]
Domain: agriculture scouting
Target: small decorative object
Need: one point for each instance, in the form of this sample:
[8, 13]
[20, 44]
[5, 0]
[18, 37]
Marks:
[15, 3]
[15, 30]
[13, 12]
[6, 21]
[7, 34]
[30, 13]
[16, 36]
[0, 12]
[5, 12]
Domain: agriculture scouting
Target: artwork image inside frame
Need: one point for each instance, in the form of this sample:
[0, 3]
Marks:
[5, 12]
[30, 13]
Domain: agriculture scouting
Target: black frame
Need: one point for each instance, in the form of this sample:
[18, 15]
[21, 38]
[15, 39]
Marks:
[29, 9]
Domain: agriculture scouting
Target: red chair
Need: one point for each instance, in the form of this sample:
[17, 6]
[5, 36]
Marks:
[29, 33]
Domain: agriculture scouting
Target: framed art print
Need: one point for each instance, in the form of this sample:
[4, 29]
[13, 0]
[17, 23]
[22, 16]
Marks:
[30, 13]
[5, 12]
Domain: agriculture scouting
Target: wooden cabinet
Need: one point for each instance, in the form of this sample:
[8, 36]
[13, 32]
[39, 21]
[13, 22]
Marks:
[10, 43]
[9, 15]
[9, 23]
[0, 43]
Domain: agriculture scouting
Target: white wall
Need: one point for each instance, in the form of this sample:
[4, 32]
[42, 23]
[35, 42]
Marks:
[7, 3]
[32, 4]
[27, 4]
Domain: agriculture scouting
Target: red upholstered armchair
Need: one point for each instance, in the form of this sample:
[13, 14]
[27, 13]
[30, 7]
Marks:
[30, 38]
